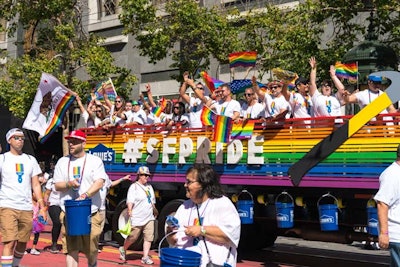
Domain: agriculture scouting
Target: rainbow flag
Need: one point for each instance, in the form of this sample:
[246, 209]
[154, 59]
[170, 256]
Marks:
[207, 117]
[347, 70]
[109, 89]
[158, 110]
[19, 167]
[243, 130]
[48, 109]
[222, 129]
[244, 59]
[210, 82]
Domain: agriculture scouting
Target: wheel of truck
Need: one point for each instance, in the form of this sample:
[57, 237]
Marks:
[169, 209]
[119, 219]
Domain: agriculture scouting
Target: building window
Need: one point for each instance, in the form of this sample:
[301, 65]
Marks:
[110, 7]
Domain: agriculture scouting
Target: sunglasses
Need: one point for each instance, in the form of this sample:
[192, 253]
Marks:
[200, 88]
[22, 138]
[176, 107]
[118, 101]
[248, 94]
[145, 175]
[98, 110]
[274, 87]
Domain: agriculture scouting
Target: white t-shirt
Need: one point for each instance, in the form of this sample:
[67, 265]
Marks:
[195, 110]
[227, 108]
[139, 117]
[252, 112]
[220, 212]
[389, 193]
[325, 106]
[365, 97]
[87, 170]
[274, 105]
[54, 198]
[143, 198]
[16, 180]
[301, 106]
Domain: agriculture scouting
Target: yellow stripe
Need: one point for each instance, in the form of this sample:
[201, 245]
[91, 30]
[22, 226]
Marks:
[368, 112]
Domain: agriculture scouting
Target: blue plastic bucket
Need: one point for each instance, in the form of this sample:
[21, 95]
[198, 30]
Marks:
[78, 219]
[372, 221]
[245, 209]
[284, 211]
[170, 257]
[328, 215]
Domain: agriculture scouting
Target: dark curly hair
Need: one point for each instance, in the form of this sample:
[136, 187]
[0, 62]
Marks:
[208, 179]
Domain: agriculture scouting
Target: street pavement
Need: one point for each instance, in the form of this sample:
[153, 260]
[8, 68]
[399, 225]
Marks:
[108, 257]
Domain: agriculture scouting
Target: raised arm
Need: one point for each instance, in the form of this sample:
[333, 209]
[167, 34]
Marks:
[260, 93]
[182, 90]
[150, 96]
[313, 76]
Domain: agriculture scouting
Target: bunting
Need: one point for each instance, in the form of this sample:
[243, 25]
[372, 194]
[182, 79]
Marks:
[48, 109]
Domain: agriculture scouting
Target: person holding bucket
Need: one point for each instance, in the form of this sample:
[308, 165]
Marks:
[388, 199]
[142, 212]
[19, 176]
[209, 223]
[79, 177]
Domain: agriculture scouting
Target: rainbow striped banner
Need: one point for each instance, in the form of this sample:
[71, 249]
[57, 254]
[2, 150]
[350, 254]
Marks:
[243, 130]
[244, 59]
[347, 70]
[207, 116]
[222, 129]
[109, 89]
[210, 82]
[48, 109]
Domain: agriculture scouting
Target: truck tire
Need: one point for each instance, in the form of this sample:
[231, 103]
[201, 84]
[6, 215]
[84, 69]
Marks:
[119, 219]
[169, 209]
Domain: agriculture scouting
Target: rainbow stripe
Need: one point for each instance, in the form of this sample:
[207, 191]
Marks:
[207, 117]
[76, 171]
[347, 70]
[222, 129]
[59, 113]
[244, 59]
[210, 82]
[243, 130]
[158, 110]
[19, 167]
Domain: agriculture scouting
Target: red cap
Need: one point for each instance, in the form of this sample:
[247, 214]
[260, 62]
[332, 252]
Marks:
[77, 134]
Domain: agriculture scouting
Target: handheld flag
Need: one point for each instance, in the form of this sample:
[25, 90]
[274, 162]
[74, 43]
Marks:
[347, 70]
[243, 130]
[47, 112]
[207, 116]
[158, 110]
[210, 82]
[239, 86]
[244, 59]
[109, 89]
[222, 129]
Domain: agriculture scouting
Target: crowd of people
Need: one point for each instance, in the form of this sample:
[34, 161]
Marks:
[273, 101]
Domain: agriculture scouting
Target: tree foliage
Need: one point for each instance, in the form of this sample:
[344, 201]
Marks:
[283, 37]
[54, 42]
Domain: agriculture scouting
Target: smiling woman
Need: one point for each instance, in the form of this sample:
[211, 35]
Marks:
[210, 223]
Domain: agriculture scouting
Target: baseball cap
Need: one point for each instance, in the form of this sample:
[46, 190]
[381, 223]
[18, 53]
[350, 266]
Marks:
[135, 103]
[77, 134]
[143, 170]
[301, 80]
[12, 132]
[375, 78]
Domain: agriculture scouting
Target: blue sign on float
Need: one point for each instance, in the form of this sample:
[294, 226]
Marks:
[103, 152]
